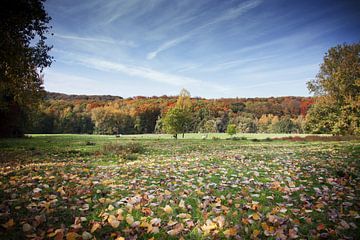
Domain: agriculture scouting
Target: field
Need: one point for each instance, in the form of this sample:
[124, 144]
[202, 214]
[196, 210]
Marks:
[151, 186]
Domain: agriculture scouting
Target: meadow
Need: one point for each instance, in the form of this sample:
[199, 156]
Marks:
[155, 187]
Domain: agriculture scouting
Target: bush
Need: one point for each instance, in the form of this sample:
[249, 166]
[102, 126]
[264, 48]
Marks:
[124, 150]
[231, 129]
[314, 138]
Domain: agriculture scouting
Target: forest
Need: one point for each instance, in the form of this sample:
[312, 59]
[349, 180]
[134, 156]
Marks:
[61, 113]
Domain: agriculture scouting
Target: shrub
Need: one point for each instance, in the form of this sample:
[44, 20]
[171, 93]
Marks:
[124, 149]
[231, 129]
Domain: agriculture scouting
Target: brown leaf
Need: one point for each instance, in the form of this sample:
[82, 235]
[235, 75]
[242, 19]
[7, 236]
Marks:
[8, 224]
[230, 232]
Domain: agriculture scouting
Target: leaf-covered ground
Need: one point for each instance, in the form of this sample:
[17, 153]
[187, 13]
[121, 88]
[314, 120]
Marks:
[80, 187]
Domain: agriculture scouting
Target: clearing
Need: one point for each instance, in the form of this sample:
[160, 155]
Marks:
[86, 186]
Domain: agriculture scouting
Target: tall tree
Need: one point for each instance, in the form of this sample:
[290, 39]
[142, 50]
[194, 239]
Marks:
[184, 101]
[178, 119]
[337, 86]
[23, 56]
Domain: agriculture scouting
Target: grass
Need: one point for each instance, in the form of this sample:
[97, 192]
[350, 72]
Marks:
[150, 186]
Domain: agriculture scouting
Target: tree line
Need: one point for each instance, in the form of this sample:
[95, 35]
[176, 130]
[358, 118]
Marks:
[61, 113]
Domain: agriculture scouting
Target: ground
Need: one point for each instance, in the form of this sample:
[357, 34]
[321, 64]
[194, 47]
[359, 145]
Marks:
[127, 187]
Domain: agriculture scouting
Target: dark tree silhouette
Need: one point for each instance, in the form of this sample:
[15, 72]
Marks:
[23, 56]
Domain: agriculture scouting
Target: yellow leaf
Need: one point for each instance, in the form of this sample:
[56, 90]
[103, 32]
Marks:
[255, 233]
[182, 204]
[113, 221]
[230, 232]
[53, 234]
[120, 238]
[129, 219]
[184, 215]
[95, 227]
[220, 220]
[168, 209]
[256, 216]
[208, 226]
[72, 236]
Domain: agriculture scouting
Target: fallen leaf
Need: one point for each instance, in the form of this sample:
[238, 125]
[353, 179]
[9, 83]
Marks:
[8, 224]
[129, 219]
[176, 230]
[168, 209]
[230, 232]
[86, 235]
[26, 227]
[94, 227]
[113, 221]
[72, 236]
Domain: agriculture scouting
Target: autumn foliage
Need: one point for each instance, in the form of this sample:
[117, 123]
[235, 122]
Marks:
[61, 113]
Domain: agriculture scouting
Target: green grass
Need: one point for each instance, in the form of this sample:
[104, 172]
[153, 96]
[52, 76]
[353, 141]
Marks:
[186, 135]
[266, 189]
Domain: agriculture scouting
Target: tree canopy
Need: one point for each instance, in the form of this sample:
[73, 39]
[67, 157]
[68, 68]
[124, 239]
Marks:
[337, 86]
[178, 119]
[23, 56]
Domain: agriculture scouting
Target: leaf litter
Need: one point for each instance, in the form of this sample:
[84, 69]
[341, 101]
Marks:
[193, 190]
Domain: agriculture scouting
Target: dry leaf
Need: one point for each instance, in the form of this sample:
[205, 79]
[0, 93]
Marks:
[113, 221]
[129, 219]
[168, 209]
[230, 232]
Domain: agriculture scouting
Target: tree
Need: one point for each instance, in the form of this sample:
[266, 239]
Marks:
[231, 129]
[285, 125]
[184, 101]
[178, 119]
[110, 120]
[337, 86]
[237, 107]
[23, 56]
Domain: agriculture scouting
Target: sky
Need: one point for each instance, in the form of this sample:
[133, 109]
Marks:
[213, 48]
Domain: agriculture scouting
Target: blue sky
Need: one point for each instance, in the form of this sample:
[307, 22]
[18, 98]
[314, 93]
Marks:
[213, 48]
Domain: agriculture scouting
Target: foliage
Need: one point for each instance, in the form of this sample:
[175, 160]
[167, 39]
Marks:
[284, 125]
[177, 120]
[56, 187]
[322, 117]
[231, 129]
[23, 55]
[209, 126]
[61, 113]
[109, 120]
[183, 101]
[338, 86]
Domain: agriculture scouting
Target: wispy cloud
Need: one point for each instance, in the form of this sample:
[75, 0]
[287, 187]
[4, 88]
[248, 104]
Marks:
[146, 73]
[236, 12]
[230, 14]
[167, 45]
[99, 40]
